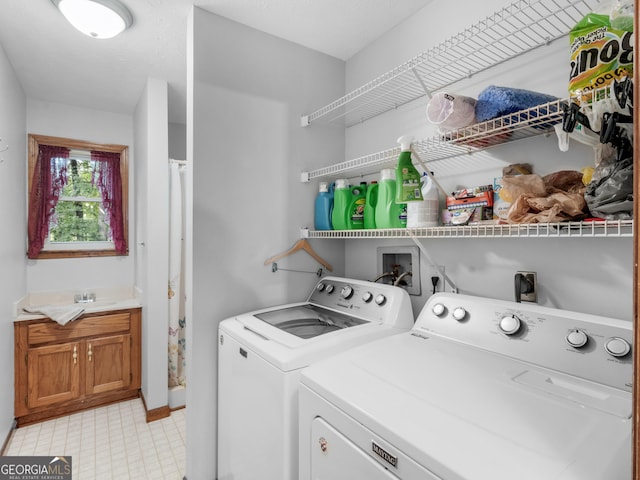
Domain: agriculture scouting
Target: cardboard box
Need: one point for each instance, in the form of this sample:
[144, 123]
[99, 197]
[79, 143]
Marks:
[500, 205]
[480, 199]
[471, 197]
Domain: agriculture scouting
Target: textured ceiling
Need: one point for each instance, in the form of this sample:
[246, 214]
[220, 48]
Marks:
[56, 63]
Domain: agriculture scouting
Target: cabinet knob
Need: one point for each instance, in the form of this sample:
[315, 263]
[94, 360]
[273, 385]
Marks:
[75, 354]
[90, 352]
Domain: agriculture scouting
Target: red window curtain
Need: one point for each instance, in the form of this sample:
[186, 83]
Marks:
[109, 182]
[49, 178]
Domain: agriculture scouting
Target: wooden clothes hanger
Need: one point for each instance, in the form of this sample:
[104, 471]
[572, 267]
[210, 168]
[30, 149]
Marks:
[301, 244]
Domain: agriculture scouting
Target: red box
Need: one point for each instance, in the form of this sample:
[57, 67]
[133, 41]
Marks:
[481, 196]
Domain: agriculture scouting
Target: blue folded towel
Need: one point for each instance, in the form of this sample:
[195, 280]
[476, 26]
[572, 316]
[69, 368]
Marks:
[498, 101]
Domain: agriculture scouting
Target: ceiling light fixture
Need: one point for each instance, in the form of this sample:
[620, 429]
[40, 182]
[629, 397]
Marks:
[96, 18]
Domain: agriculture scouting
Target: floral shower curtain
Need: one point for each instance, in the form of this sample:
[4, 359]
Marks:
[177, 321]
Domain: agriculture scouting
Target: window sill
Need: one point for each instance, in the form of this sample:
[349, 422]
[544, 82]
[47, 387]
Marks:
[44, 254]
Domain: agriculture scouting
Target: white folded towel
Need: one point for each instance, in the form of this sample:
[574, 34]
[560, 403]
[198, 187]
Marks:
[62, 314]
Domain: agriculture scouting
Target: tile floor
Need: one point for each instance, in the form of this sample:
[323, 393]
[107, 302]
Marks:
[108, 443]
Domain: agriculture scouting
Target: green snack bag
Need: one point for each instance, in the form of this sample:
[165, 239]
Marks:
[600, 54]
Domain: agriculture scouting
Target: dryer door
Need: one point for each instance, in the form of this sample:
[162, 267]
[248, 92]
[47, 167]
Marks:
[335, 457]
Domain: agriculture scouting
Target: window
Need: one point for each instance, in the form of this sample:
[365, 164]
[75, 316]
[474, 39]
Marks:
[78, 198]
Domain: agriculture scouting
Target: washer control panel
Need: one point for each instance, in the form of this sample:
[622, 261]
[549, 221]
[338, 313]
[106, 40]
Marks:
[375, 302]
[588, 346]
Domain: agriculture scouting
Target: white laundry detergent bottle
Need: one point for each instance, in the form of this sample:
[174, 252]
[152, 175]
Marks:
[424, 214]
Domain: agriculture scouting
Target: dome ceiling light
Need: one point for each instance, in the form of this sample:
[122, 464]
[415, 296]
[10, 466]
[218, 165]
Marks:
[96, 18]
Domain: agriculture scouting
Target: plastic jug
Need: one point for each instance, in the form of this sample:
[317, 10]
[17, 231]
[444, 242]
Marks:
[388, 213]
[407, 177]
[424, 214]
[370, 205]
[341, 200]
[324, 207]
[357, 206]
[348, 206]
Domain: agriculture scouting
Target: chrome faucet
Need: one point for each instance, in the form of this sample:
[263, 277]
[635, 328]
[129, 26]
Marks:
[84, 297]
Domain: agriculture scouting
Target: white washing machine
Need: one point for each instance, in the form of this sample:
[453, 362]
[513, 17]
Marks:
[262, 353]
[478, 389]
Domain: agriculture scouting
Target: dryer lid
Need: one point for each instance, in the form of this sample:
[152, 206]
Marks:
[462, 412]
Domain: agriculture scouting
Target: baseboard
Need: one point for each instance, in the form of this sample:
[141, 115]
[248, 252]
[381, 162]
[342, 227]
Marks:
[69, 408]
[6, 440]
[156, 413]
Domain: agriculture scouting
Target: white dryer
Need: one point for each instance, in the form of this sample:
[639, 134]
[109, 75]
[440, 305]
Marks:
[262, 353]
[478, 389]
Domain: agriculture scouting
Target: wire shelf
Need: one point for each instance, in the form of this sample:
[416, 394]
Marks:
[534, 121]
[516, 29]
[594, 229]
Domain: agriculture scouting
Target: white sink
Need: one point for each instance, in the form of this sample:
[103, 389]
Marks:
[107, 299]
[96, 304]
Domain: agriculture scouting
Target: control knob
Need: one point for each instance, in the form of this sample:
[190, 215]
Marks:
[380, 299]
[459, 313]
[346, 292]
[509, 324]
[617, 347]
[438, 309]
[367, 297]
[330, 288]
[577, 338]
[320, 286]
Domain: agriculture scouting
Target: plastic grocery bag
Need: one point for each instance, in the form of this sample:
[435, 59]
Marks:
[450, 111]
[610, 193]
[557, 197]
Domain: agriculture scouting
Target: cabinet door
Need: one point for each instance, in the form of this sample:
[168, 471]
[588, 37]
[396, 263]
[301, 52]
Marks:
[108, 363]
[53, 374]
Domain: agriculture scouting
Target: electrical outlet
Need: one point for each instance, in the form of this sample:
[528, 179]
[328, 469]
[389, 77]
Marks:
[532, 279]
[434, 271]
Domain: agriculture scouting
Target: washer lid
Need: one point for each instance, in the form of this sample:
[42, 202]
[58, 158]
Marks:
[465, 413]
[288, 351]
[308, 321]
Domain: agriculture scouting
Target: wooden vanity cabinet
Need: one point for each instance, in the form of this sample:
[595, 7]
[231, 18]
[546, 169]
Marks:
[92, 361]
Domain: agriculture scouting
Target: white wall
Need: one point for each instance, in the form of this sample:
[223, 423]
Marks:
[59, 120]
[585, 275]
[246, 149]
[13, 195]
[152, 236]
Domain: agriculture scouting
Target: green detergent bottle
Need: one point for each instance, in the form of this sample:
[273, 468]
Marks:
[341, 200]
[389, 214]
[357, 206]
[348, 206]
[407, 177]
[370, 205]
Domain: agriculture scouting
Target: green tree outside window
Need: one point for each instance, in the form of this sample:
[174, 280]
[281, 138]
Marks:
[79, 216]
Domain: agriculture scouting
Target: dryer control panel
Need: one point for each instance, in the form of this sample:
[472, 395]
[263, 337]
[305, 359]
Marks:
[591, 347]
